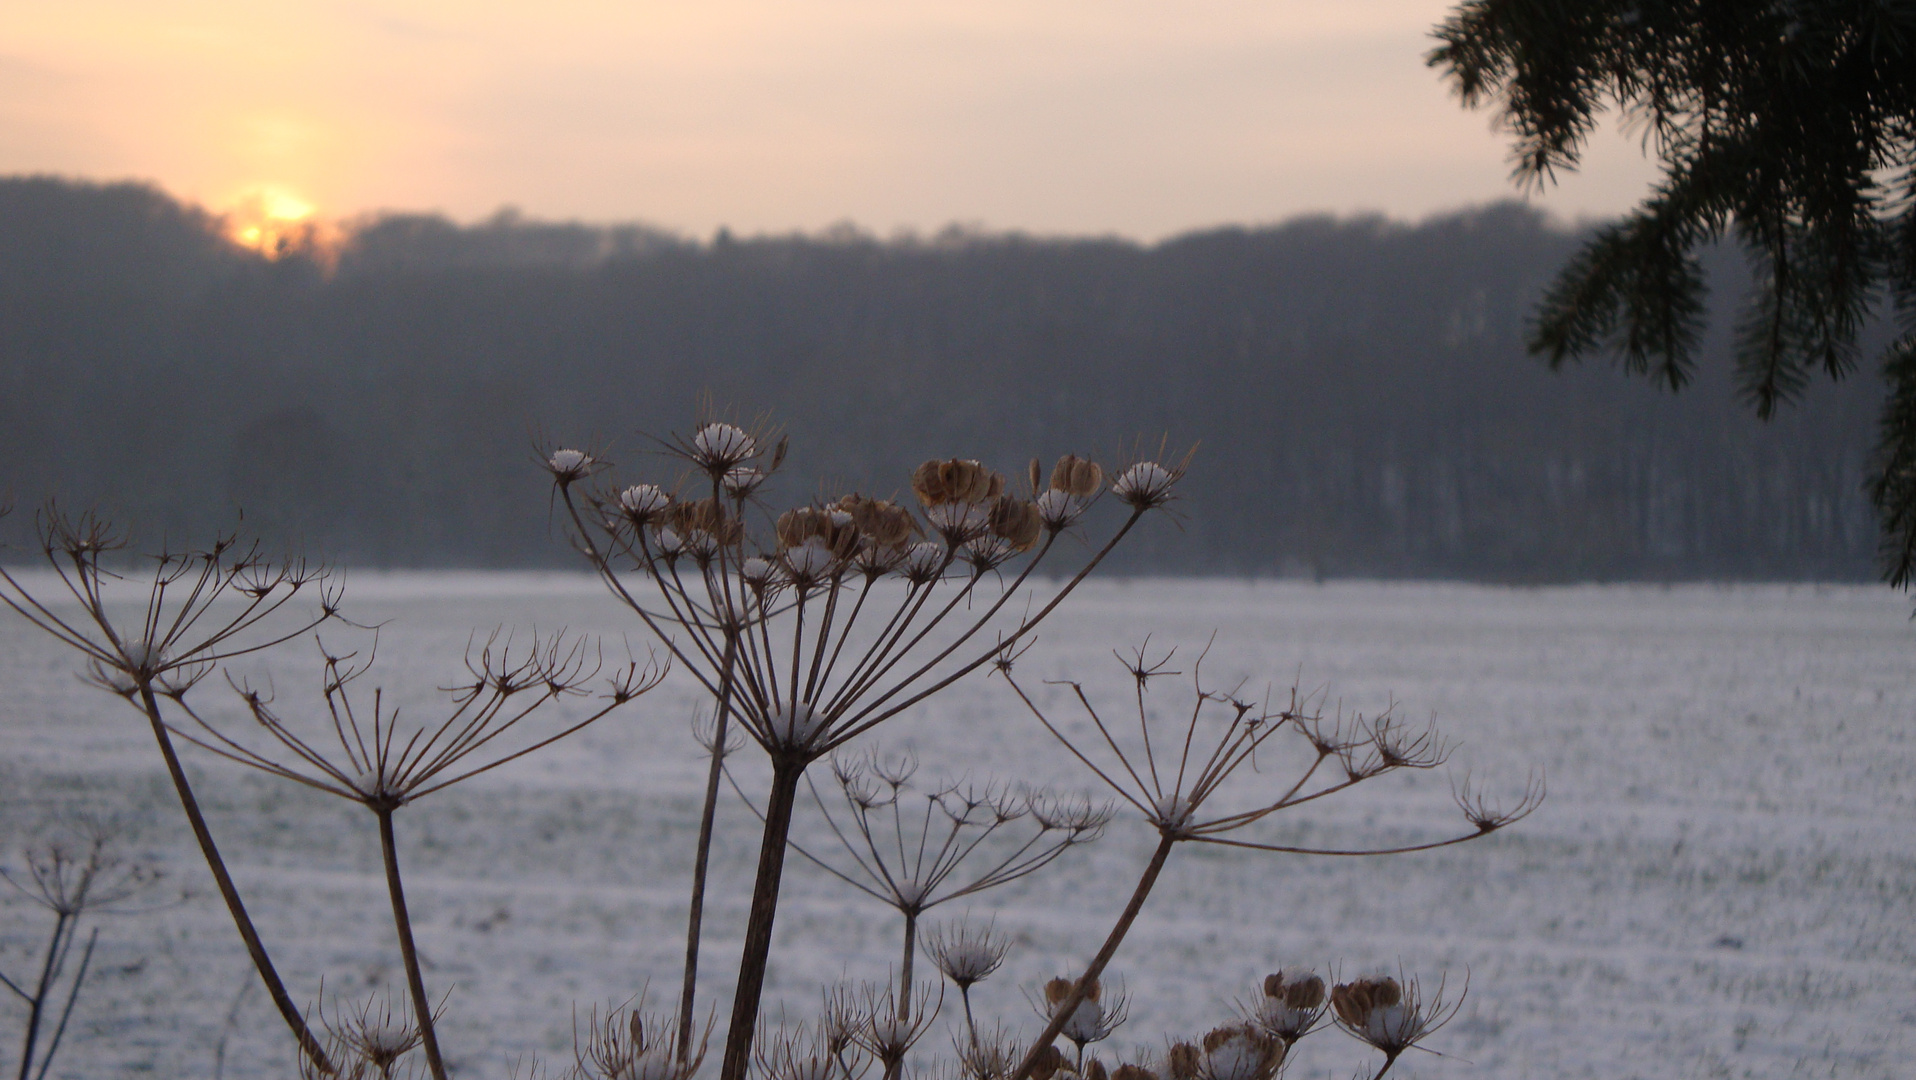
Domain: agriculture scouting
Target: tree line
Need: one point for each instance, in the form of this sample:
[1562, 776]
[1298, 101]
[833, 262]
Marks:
[1357, 388]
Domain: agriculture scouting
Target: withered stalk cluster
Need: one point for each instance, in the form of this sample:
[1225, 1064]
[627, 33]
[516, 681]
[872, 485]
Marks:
[806, 627]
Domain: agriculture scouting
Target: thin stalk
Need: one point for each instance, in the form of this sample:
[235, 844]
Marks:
[1070, 1004]
[758, 929]
[707, 814]
[254, 948]
[66, 1013]
[892, 1069]
[904, 966]
[971, 1025]
[47, 972]
[402, 923]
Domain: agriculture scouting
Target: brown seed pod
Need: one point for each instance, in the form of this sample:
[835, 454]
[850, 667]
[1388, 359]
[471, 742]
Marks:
[1305, 993]
[1057, 990]
[1050, 1060]
[1016, 520]
[705, 516]
[1353, 1002]
[1094, 1070]
[1274, 985]
[1133, 1072]
[1074, 475]
[1182, 1062]
[1037, 477]
[1385, 993]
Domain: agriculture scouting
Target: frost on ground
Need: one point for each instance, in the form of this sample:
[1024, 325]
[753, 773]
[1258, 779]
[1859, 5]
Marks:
[1722, 882]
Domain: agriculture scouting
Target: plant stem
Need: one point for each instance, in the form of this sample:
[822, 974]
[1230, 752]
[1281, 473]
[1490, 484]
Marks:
[1065, 1008]
[694, 921]
[422, 1009]
[904, 966]
[66, 1013]
[893, 1068]
[40, 992]
[254, 948]
[786, 772]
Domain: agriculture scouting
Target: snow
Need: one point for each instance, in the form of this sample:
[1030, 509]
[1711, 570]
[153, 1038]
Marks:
[1721, 883]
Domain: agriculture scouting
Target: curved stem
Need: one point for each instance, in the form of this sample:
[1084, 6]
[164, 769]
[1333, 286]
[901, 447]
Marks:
[254, 948]
[1069, 1005]
[402, 923]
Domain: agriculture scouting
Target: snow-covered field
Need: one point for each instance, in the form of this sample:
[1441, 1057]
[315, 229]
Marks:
[1722, 882]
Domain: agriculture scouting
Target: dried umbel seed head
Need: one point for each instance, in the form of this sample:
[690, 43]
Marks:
[1145, 485]
[705, 517]
[882, 522]
[1133, 1072]
[1297, 991]
[1060, 988]
[1077, 477]
[956, 480]
[742, 480]
[965, 954]
[923, 563]
[1240, 1052]
[832, 528]
[1382, 1013]
[718, 448]
[1182, 1062]
[1050, 1061]
[1094, 1070]
[758, 573]
[1015, 521]
[642, 504]
[567, 466]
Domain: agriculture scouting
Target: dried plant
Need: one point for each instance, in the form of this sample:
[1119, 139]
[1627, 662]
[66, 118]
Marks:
[628, 1044]
[383, 763]
[907, 846]
[1392, 1014]
[1172, 776]
[840, 616]
[806, 629]
[71, 876]
[198, 609]
[967, 956]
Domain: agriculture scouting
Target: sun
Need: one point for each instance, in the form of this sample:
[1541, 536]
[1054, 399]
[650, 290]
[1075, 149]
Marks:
[276, 221]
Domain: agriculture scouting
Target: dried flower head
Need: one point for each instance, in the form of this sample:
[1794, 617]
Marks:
[630, 1045]
[1240, 1052]
[1291, 1006]
[965, 954]
[385, 764]
[644, 504]
[1076, 477]
[1016, 522]
[1389, 1014]
[938, 483]
[568, 466]
[1095, 1016]
[1183, 1061]
[719, 448]
[1146, 485]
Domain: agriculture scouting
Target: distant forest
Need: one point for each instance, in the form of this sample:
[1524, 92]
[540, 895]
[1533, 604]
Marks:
[1357, 387]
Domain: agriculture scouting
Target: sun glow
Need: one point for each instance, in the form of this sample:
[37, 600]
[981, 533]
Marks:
[277, 222]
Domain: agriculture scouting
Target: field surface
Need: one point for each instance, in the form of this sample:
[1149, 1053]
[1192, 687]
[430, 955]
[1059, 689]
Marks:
[1722, 882]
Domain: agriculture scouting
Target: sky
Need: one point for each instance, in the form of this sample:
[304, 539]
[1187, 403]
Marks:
[1142, 118]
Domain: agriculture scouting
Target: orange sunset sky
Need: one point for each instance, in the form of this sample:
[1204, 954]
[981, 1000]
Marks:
[1055, 116]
